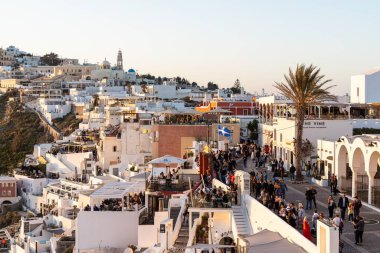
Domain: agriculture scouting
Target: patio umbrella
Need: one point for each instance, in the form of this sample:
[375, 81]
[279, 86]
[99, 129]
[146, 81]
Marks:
[167, 159]
[263, 237]
[283, 246]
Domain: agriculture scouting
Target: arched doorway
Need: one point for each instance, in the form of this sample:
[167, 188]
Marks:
[374, 179]
[6, 202]
[360, 177]
[344, 171]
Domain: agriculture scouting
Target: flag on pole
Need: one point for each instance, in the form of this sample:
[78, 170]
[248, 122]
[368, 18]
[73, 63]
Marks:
[224, 131]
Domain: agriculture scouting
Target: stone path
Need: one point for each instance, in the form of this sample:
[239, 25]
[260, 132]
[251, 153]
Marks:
[371, 237]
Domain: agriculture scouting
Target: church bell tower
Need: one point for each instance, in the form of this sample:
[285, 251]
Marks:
[119, 63]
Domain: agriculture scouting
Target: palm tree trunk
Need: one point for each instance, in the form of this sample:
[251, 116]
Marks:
[300, 118]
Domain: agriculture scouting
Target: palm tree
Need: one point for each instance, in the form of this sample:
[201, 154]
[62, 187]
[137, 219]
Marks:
[305, 86]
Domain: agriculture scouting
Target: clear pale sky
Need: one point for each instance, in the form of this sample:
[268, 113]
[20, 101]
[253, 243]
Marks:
[204, 40]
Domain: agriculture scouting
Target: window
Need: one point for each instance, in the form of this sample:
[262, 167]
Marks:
[114, 148]
[280, 137]
[4, 192]
[245, 111]
[9, 193]
[357, 91]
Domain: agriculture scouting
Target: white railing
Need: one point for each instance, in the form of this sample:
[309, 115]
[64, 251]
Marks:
[234, 226]
[193, 230]
[178, 224]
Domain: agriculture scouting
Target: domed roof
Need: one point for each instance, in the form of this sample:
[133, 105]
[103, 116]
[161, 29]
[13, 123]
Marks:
[131, 71]
[106, 63]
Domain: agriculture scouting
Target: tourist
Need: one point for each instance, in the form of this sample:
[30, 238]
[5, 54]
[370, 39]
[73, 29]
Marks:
[274, 164]
[314, 219]
[331, 206]
[350, 212]
[335, 184]
[284, 188]
[301, 214]
[309, 199]
[291, 218]
[314, 193]
[338, 222]
[359, 229]
[186, 215]
[292, 171]
[357, 204]
[306, 229]
[308, 169]
[343, 204]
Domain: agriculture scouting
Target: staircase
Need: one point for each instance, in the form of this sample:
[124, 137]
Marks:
[241, 221]
[174, 212]
[183, 237]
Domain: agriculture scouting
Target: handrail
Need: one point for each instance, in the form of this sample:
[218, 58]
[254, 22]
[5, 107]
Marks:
[178, 224]
[191, 240]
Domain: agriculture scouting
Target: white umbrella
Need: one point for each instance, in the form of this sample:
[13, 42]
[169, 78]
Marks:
[263, 237]
[167, 159]
[283, 246]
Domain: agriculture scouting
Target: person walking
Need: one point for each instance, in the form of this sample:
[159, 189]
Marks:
[308, 169]
[338, 222]
[301, 214]
[331, 206]
[284, 188]
[343, 204]
[359, 229]
[357, 204]
[274, 165]
[335, 184]
[309, 199]
[314, 194]
[292, 171]
[350, 212]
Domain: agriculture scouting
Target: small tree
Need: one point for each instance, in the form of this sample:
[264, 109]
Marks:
[212, 86]
[50, 59]
[236, 89]
[253, 128]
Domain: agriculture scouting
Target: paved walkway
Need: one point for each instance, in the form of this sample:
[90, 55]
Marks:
[296, 194]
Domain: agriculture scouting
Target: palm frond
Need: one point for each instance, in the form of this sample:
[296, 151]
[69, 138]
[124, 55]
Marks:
[305, 86]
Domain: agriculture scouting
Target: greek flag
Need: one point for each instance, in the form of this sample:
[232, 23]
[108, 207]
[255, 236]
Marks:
[224, 131]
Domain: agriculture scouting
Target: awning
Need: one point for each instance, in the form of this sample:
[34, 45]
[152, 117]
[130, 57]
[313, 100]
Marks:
[263, 237]
[167, 159]
[210, 246]
[283, 246]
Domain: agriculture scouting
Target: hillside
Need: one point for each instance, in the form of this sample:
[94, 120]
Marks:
[20, 130]
[67, 124]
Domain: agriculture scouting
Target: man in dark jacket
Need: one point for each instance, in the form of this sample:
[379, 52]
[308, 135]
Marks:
[309, 198]
[343, 204]
[292, 171]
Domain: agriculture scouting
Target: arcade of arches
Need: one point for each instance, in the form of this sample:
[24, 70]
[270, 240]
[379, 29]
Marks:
[358, 166]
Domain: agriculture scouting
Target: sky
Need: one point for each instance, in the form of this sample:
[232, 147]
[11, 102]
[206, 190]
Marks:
[204, 40]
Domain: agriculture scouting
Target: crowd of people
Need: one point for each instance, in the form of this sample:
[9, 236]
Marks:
[214, 197]
[271, 192]
[132, 202]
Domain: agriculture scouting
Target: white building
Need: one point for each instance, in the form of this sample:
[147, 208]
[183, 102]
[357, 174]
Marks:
[355, 161]
[277, 125]
[31, 189]
[52, 108]
[364, 88]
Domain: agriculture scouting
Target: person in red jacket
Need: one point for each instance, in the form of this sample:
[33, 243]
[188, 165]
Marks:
[306, 229]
